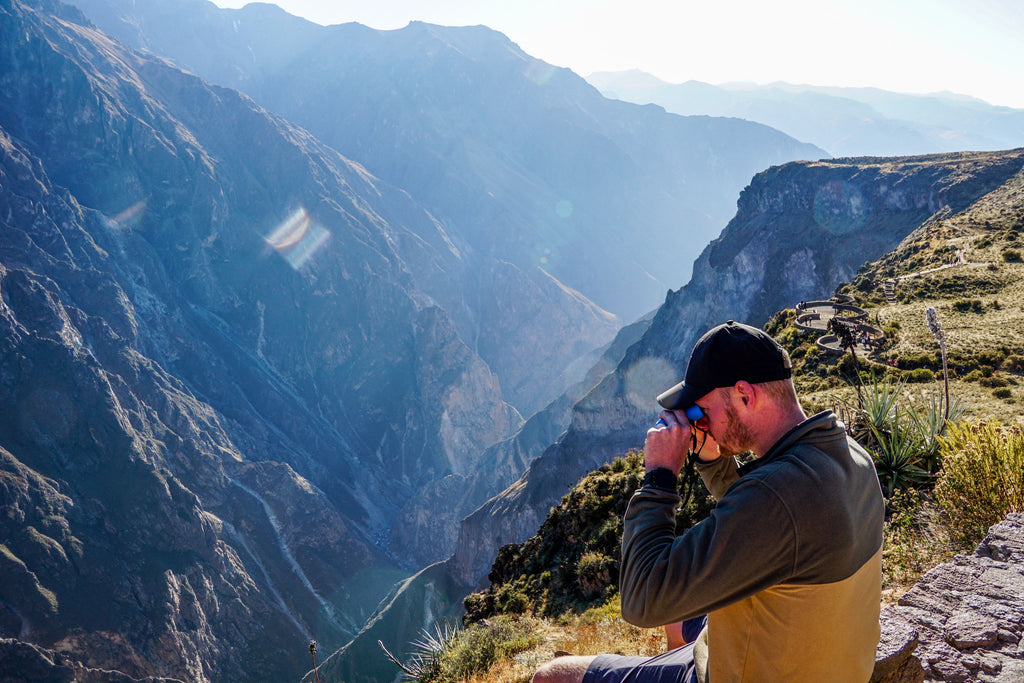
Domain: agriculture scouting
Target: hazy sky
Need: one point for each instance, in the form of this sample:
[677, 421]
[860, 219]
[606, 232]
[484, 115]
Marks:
[974, 47]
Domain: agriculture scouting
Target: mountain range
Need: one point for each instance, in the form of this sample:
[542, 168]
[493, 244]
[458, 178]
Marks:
[522, 162]
[844, 121]
[248, 381]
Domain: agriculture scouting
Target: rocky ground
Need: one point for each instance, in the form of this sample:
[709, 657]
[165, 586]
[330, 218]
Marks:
[963, 620]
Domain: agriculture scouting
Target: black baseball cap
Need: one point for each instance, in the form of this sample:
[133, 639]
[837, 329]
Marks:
[724, 356]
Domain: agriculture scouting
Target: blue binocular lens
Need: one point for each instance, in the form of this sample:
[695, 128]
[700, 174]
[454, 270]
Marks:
[694, 413]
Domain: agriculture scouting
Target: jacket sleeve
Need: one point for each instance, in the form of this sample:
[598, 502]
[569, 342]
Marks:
[718, 475]
[746, 545]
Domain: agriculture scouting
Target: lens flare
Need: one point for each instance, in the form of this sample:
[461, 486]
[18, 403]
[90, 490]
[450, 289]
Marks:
[130, 217]
[539, 72]
[647, 378]
[298, 238]
[291, 231]
[544, 255]
[564, 208]
[839, 207]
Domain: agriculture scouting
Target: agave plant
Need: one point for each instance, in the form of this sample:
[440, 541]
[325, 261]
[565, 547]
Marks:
[930, 420]
[875, 410]
[898, 453]
[902, 434]
[426, 652]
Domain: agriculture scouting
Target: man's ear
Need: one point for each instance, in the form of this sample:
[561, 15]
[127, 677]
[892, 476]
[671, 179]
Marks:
[746, 393]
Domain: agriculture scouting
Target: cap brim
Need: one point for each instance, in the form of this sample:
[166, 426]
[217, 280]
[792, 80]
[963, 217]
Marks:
[679, 397]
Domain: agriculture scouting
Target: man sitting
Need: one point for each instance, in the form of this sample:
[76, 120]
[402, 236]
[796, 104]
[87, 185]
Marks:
[787, 567]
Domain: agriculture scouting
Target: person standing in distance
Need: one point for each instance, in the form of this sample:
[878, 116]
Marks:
[787, 567]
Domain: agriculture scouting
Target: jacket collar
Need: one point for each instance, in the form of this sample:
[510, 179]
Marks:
[825, 421]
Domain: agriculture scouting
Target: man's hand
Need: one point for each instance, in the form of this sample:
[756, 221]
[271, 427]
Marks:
[667, 444]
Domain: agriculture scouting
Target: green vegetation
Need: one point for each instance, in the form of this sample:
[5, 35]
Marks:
[450, 655]
[572, 564]
[916, 538]
[973, 306]
[982, 478]
[901, 431]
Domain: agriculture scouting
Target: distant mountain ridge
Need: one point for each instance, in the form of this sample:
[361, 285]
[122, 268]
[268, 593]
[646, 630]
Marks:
[398, 103]
[844, 121]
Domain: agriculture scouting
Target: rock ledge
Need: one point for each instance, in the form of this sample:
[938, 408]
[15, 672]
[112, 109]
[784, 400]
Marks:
[963, 621]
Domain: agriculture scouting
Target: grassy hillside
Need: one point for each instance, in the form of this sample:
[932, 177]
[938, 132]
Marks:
[980, 304]
[560, 587]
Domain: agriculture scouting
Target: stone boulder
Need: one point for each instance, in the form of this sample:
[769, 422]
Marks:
[963, 621]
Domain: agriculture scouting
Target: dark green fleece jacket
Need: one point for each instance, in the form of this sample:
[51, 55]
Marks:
[787, 567]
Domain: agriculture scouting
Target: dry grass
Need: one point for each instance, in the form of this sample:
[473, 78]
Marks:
[1000, 325]
[598, 631]
[916, 538]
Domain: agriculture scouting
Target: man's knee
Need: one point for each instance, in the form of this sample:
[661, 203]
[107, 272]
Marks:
[563, 670]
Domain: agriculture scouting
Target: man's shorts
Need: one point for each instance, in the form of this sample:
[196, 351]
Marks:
[674, 666]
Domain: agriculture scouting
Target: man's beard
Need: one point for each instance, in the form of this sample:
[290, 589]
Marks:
[737, 437]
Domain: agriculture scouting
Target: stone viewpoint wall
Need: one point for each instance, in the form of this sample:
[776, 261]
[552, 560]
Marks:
[963, 620]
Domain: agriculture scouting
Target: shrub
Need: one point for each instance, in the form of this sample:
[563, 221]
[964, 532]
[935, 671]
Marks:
[992, 382]
[991, 357]
[921, 375]
[1014, 362]
[515, 602]
[1011, 256]
[973, 376]
[1002, 393]
[964, 305]
[982, 477]
[917, 360]
[459, 655]
[594, 573]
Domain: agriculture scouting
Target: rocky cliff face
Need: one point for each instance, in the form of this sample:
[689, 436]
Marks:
[964, 620]
[436, 593]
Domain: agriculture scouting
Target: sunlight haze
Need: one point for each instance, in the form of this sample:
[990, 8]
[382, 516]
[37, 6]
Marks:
[914, 46]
